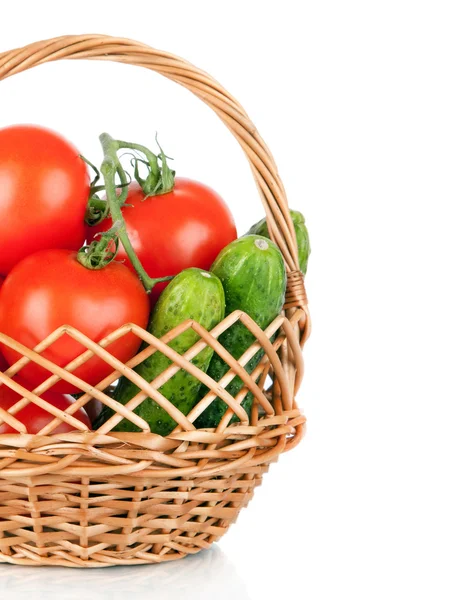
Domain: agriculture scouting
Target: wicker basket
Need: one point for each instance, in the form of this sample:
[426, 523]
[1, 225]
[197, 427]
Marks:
[93, 499]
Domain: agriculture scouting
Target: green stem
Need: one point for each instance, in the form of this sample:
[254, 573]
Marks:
[109, 168]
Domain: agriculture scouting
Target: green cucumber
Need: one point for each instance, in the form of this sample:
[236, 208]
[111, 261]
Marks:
[253, 275]
[302, 236]
[192, 294]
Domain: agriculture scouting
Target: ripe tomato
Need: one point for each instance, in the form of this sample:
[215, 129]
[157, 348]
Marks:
[50, 289]
[3, 363]
[186, 227]
[44, 188]
[34, 417]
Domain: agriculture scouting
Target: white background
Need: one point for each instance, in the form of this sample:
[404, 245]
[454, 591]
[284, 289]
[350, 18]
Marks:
[365, 107]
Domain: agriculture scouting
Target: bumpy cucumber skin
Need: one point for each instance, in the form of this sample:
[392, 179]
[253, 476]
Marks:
[302, 236]
[254, 281]
[192, 294]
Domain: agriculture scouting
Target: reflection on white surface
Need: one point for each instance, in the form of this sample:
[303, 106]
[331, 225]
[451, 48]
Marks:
[207, 575]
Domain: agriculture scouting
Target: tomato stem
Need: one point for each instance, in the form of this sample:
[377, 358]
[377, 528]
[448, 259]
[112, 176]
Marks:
[159, 179]
[111, 167]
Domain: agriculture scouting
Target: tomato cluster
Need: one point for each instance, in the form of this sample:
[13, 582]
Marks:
[52, 278]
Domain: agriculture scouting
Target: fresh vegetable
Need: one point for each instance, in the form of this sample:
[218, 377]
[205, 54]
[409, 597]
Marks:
[253, 275]
[302, 236]
[52, 288]
[34, 417]
[44, 187]
[172, 224]
[3, 363]
[193, 294]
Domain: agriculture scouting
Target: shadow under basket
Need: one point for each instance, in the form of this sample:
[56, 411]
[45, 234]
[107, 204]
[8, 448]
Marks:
[102, 498]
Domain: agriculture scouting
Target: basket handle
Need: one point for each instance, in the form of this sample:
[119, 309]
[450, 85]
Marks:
[269, 184]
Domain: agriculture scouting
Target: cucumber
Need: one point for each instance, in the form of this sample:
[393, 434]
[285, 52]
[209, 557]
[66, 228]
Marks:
[192, 294]
[302, 236]
[253, 274]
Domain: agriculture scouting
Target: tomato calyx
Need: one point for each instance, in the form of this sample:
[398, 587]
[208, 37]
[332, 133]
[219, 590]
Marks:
[160, 177]
[99, 253]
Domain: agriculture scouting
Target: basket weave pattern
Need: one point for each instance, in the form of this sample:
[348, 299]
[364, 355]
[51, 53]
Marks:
[100, 498]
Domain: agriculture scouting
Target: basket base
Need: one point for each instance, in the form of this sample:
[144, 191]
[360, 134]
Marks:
[74, 562]
[126, 521]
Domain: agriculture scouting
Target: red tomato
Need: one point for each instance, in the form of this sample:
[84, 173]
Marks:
[50, 289]
[3, 363]
[187, 227]
[34, 417]
[44, 188]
